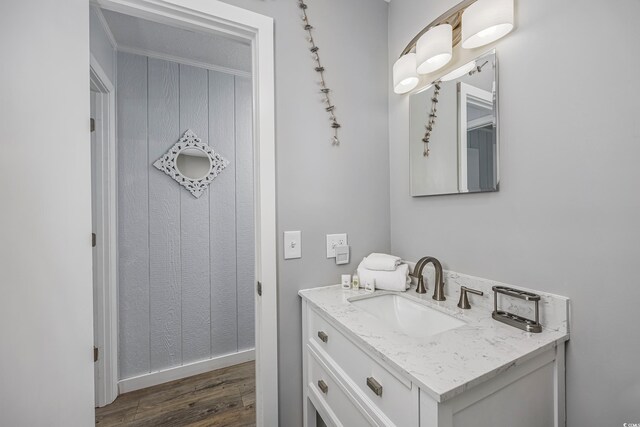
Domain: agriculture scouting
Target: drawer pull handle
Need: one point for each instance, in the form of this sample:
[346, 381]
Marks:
[323, 386]
[323, 337]
[374, 386]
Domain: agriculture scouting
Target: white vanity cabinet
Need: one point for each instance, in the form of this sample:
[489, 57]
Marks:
[346, 385]
[350, 385]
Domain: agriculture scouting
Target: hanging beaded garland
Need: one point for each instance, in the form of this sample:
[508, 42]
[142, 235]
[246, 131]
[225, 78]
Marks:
[432, 117]
[324, 90]
[434, 108]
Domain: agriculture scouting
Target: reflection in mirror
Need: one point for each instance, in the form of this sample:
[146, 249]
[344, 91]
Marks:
[462, 142]
[193, 163]
[477, 137]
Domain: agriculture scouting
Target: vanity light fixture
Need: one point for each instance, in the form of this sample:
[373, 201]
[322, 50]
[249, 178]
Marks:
[486, 21]
[434, 49]
[405, 77]
[471, 23]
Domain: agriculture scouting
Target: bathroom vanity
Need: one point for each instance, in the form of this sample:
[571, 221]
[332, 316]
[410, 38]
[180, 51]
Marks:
[403, 359]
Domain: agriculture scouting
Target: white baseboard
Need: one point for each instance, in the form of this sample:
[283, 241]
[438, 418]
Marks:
[170, 374]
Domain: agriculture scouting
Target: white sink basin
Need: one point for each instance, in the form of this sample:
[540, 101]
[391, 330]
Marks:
[414, 319]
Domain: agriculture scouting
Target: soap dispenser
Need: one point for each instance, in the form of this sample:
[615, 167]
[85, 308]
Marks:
[355, 281]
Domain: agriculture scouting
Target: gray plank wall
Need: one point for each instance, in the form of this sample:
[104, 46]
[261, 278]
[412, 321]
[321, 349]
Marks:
[186, 264]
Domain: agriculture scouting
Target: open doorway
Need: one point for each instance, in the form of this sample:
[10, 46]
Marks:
[187, 308]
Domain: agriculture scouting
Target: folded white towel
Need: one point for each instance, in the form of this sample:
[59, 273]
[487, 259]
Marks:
[397, 280]
[382, 262]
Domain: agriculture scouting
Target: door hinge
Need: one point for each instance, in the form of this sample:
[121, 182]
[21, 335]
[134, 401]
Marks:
[92, 124]
[95, 354]
[93, 240]
[259, 288]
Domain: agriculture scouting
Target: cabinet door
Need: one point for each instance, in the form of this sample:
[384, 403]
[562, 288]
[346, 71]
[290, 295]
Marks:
[522, 396]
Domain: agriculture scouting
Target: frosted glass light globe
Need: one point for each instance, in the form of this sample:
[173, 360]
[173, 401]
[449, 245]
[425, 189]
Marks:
[485, 21]
[405, 77]
[434, 49]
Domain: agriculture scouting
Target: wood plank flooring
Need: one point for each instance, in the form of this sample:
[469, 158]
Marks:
[225, 397]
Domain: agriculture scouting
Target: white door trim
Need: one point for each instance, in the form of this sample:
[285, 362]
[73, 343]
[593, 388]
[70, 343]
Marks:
[467, 92]
[219, 17]
[105, 227]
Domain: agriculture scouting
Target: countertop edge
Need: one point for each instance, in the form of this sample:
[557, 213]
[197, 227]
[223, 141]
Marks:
[497, 371]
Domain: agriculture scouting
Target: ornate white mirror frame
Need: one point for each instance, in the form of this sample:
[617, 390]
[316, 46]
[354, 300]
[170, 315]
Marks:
[189, 141]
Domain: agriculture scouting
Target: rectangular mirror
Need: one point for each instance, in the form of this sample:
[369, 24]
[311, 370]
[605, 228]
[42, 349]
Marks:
[463, 140]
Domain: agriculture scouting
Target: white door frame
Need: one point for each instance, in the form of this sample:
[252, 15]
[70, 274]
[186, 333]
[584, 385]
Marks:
[219, 17]
[482, 98]
[105, 228]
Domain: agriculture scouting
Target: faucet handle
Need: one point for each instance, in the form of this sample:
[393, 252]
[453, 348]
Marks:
[464, 300]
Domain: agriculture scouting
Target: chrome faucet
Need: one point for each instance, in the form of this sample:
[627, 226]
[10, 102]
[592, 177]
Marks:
[438, 291]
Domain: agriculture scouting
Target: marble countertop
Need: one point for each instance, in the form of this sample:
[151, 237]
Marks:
[446, 364]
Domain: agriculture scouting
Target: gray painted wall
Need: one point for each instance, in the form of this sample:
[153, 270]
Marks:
[324, 189]
[186, 276]
[566, 217]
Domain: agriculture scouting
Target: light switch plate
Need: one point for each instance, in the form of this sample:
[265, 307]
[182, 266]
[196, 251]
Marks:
[334, 240]
[292, 244]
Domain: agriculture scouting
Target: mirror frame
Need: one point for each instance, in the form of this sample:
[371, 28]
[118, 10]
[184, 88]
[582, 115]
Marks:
[167, 163]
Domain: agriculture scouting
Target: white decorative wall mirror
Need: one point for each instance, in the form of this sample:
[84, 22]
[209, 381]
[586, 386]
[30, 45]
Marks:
[191, 163]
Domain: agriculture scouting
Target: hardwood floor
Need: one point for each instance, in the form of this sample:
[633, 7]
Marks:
[225, 397]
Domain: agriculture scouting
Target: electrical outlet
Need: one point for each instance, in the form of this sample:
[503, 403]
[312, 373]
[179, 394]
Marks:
[334, 240]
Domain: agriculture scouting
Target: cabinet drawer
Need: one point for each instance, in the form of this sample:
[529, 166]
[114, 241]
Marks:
[380, 387]
[341, 409]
